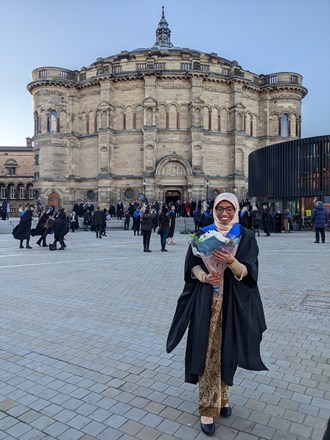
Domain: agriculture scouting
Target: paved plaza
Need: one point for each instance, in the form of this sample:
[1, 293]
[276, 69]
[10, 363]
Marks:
[83, 333]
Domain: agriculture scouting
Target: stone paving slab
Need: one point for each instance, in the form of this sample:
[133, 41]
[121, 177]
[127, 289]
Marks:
[83, 332]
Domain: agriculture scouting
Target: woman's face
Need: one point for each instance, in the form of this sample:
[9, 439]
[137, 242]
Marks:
[225, 212]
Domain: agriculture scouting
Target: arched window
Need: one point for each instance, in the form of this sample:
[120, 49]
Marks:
[36, 122]
[30, 192]
[3, 193]
[21, 191]
[53, 122]
[11, 191]
[149, 116]
[284, 125]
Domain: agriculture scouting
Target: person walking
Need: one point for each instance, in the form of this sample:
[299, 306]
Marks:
[164, 225]
[22, 231]
[97, 222]
[146, 227]
[319, 220]
[41, 228]
[224, 331]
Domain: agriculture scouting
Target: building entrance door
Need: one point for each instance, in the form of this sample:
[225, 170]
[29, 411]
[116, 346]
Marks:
[172, 196]
[54, 199]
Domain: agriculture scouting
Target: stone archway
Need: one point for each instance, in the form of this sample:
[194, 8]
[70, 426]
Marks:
[54, 199]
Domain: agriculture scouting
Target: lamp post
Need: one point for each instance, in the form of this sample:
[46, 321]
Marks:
[207, 184]
[144, 186]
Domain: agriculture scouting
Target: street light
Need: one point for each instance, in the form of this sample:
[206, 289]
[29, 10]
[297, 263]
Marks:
[207, 184]
[144, 186]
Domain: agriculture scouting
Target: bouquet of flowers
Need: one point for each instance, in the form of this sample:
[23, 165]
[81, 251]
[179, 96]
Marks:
[203, 246]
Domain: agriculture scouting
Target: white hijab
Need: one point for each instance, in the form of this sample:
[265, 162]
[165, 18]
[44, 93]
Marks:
[231, 198]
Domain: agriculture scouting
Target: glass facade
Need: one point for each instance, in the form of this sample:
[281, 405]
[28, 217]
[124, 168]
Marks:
[291, 170]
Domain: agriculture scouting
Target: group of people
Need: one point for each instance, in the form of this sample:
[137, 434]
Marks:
[49, 223]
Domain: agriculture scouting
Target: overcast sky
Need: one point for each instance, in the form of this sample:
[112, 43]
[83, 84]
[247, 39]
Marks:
[264, 36]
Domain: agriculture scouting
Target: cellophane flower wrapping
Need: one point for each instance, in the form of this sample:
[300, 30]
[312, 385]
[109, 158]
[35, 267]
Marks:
[203, 246]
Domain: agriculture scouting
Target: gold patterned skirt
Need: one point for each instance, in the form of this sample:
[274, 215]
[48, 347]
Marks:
[213, 393]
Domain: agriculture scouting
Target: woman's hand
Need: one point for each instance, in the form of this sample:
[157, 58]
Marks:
[224, 256]
[213, 278]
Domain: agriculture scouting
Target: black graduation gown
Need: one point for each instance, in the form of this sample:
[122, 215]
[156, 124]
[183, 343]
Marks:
[61, 228]
[40, 228]
[243, 316]
[22, 231]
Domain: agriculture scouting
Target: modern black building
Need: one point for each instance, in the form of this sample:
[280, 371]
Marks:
[293, 174]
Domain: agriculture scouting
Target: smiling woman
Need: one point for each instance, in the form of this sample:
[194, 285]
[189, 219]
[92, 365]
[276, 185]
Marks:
[224, 333]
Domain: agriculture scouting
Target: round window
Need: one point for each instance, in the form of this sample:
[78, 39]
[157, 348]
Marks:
[90, 195]
[129, 194]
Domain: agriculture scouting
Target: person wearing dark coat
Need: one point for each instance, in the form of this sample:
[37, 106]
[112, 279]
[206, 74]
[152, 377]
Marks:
[164, 222]
[171, 230]
[244, 217]
[266, 219]
[61, 214]
[41, 228]
[127, 220]
[146, 227]
[319, 220]
[97, 222]
[23, 230]
[87, 219]
[278, 222]
[60, 229]
[136, 221]
[224, 314]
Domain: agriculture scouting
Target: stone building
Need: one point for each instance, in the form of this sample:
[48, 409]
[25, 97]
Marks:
[168, 121]
[16, 175]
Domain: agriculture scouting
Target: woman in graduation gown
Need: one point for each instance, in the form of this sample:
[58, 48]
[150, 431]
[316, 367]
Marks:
[226, 323]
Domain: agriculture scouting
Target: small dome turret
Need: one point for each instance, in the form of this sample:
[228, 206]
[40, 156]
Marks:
[163, 33]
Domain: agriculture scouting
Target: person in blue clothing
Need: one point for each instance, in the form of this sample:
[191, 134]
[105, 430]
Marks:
[319, 220]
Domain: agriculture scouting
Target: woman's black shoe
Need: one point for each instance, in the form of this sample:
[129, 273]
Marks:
[208, 428]
[225, 411]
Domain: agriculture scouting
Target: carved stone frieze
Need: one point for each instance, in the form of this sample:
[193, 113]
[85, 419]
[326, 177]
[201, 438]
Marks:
[91, 92]
[174, 85]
